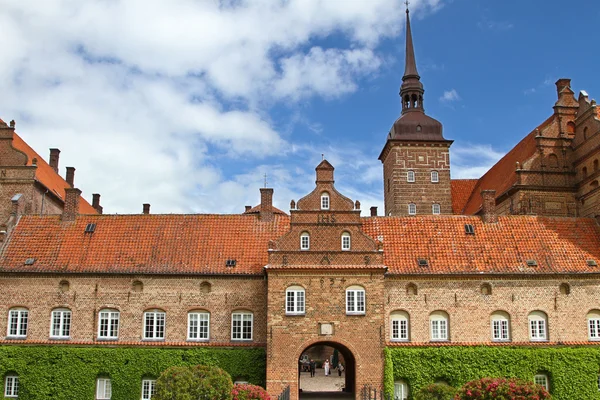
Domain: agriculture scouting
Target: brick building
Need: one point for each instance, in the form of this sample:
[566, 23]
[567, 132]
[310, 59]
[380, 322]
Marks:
[509, 259]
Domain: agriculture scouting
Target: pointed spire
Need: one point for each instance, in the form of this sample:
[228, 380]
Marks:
[410, 68]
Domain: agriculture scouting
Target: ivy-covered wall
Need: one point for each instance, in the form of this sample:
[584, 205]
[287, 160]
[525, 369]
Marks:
[573, 371]
[67, 372]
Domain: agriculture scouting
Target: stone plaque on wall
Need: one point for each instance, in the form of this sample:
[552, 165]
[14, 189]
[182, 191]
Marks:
[325, 329]
[553, 205]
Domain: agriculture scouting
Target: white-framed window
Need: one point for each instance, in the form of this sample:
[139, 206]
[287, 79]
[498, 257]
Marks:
[410, 176]
[412, 209]
[538, 326]
[241, 325]
[324, 201]
[593, 319]
[500, 322]
[355, 300]
[103, 389]
[399, 326]
[598, 381]
[435, 177]
[295, 299]
[198, 325]
[11, 386]
[435, 209]
[17, 322]
[400, 390]
[542, 380]
[154, 324]
[304, 241]
[60, 323]
[108, 324]
[346, 241]
[148, 389]
[438, 321]
[240, 381]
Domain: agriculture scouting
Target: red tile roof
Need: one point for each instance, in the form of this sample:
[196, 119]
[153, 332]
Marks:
[46, 175]
[502, 176]
[184, 244]
[558, 245]
[256, 210]
[461, 190]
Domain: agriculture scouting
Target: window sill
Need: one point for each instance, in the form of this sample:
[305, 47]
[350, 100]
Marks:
[198, 340]
[241, 340]
[538, 340]
[60, 338]
[501, 340]
[356, 314]
[400, 340]
[153, 339]
[107, 339]
[439, 340]
[16, 337]
[295, 314]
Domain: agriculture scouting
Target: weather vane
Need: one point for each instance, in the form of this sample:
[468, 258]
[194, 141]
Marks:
[265, 180]
[407, 3]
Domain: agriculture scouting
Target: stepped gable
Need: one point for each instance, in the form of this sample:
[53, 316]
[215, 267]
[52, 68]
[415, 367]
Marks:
[558, 244]
[461, 192]
[46, 175]
[502, 176]
[153, 244]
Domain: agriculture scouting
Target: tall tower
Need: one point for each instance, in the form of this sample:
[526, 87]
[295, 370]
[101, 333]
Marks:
[416, 157]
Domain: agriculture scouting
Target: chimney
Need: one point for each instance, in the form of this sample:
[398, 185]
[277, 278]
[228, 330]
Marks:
[53, 161]
[373, 211]
[561, 84]
[70, 178]
[247, 208]
[266, 204]
[488, 198]
[96, 203]
[72, 198]
[146, 209]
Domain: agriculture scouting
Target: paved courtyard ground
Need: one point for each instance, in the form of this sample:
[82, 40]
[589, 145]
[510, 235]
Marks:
[321, 387]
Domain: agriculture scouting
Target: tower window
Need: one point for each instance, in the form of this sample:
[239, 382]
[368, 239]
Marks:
[435, 177]
[410, 176]
[435, 209]
[324, 201]
[412, 209]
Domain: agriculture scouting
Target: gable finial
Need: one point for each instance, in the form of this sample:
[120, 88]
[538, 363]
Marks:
[407, 3]
[322, 156]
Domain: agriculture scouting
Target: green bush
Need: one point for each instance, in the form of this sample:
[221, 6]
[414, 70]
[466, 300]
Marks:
[436, 391]
[212, 383]
[502, 388]
[249, 392]
[200, 382]
[175, 383]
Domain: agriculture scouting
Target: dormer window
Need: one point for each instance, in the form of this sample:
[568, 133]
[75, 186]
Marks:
[304, 241]
[410, 176]
[324, 201]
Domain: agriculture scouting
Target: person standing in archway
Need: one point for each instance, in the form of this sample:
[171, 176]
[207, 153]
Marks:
[326, 367]
[340, 369]
[313, 367]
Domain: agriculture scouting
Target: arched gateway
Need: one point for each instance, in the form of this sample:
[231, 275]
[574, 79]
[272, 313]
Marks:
[340, 380]
[325, 288]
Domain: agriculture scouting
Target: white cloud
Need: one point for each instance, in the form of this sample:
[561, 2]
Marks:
[450, 96]
[472, 160]
[161, 101]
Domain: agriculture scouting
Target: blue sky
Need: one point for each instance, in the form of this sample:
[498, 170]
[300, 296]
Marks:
[187, 104]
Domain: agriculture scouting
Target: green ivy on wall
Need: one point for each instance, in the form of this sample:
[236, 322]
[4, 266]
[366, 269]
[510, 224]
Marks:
[68, 372]
[573, 371]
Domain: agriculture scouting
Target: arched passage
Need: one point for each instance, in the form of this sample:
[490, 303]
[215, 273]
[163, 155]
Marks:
[334, 384]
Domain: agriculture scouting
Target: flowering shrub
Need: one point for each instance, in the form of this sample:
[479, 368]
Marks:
[436, 391]
[501, 388]
[249, 392]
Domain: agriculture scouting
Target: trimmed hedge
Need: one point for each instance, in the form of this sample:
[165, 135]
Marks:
[573, 371]
[68, 372]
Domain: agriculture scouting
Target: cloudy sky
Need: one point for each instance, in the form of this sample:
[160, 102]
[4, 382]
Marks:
[186, 104]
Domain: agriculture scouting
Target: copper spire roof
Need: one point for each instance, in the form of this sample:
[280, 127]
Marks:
[410, 66]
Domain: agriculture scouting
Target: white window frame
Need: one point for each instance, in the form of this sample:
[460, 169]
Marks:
[439, 326]
[399, 326]
[18, 321]
[593, 323]
[346, 241]
[11, 386]
[239, 333]
[436, 209]
[112, 324]
[542, 380]
[103, 389]
[158, 321]
[295, 300]
[325, 201]
[198, 326]
[304, 241]
[500, 324]
[412, 209]
[356, 300]
[435, 177]
[60, 323]
[538, 326]
[410, 176]
[400, 390]
[148, 388]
